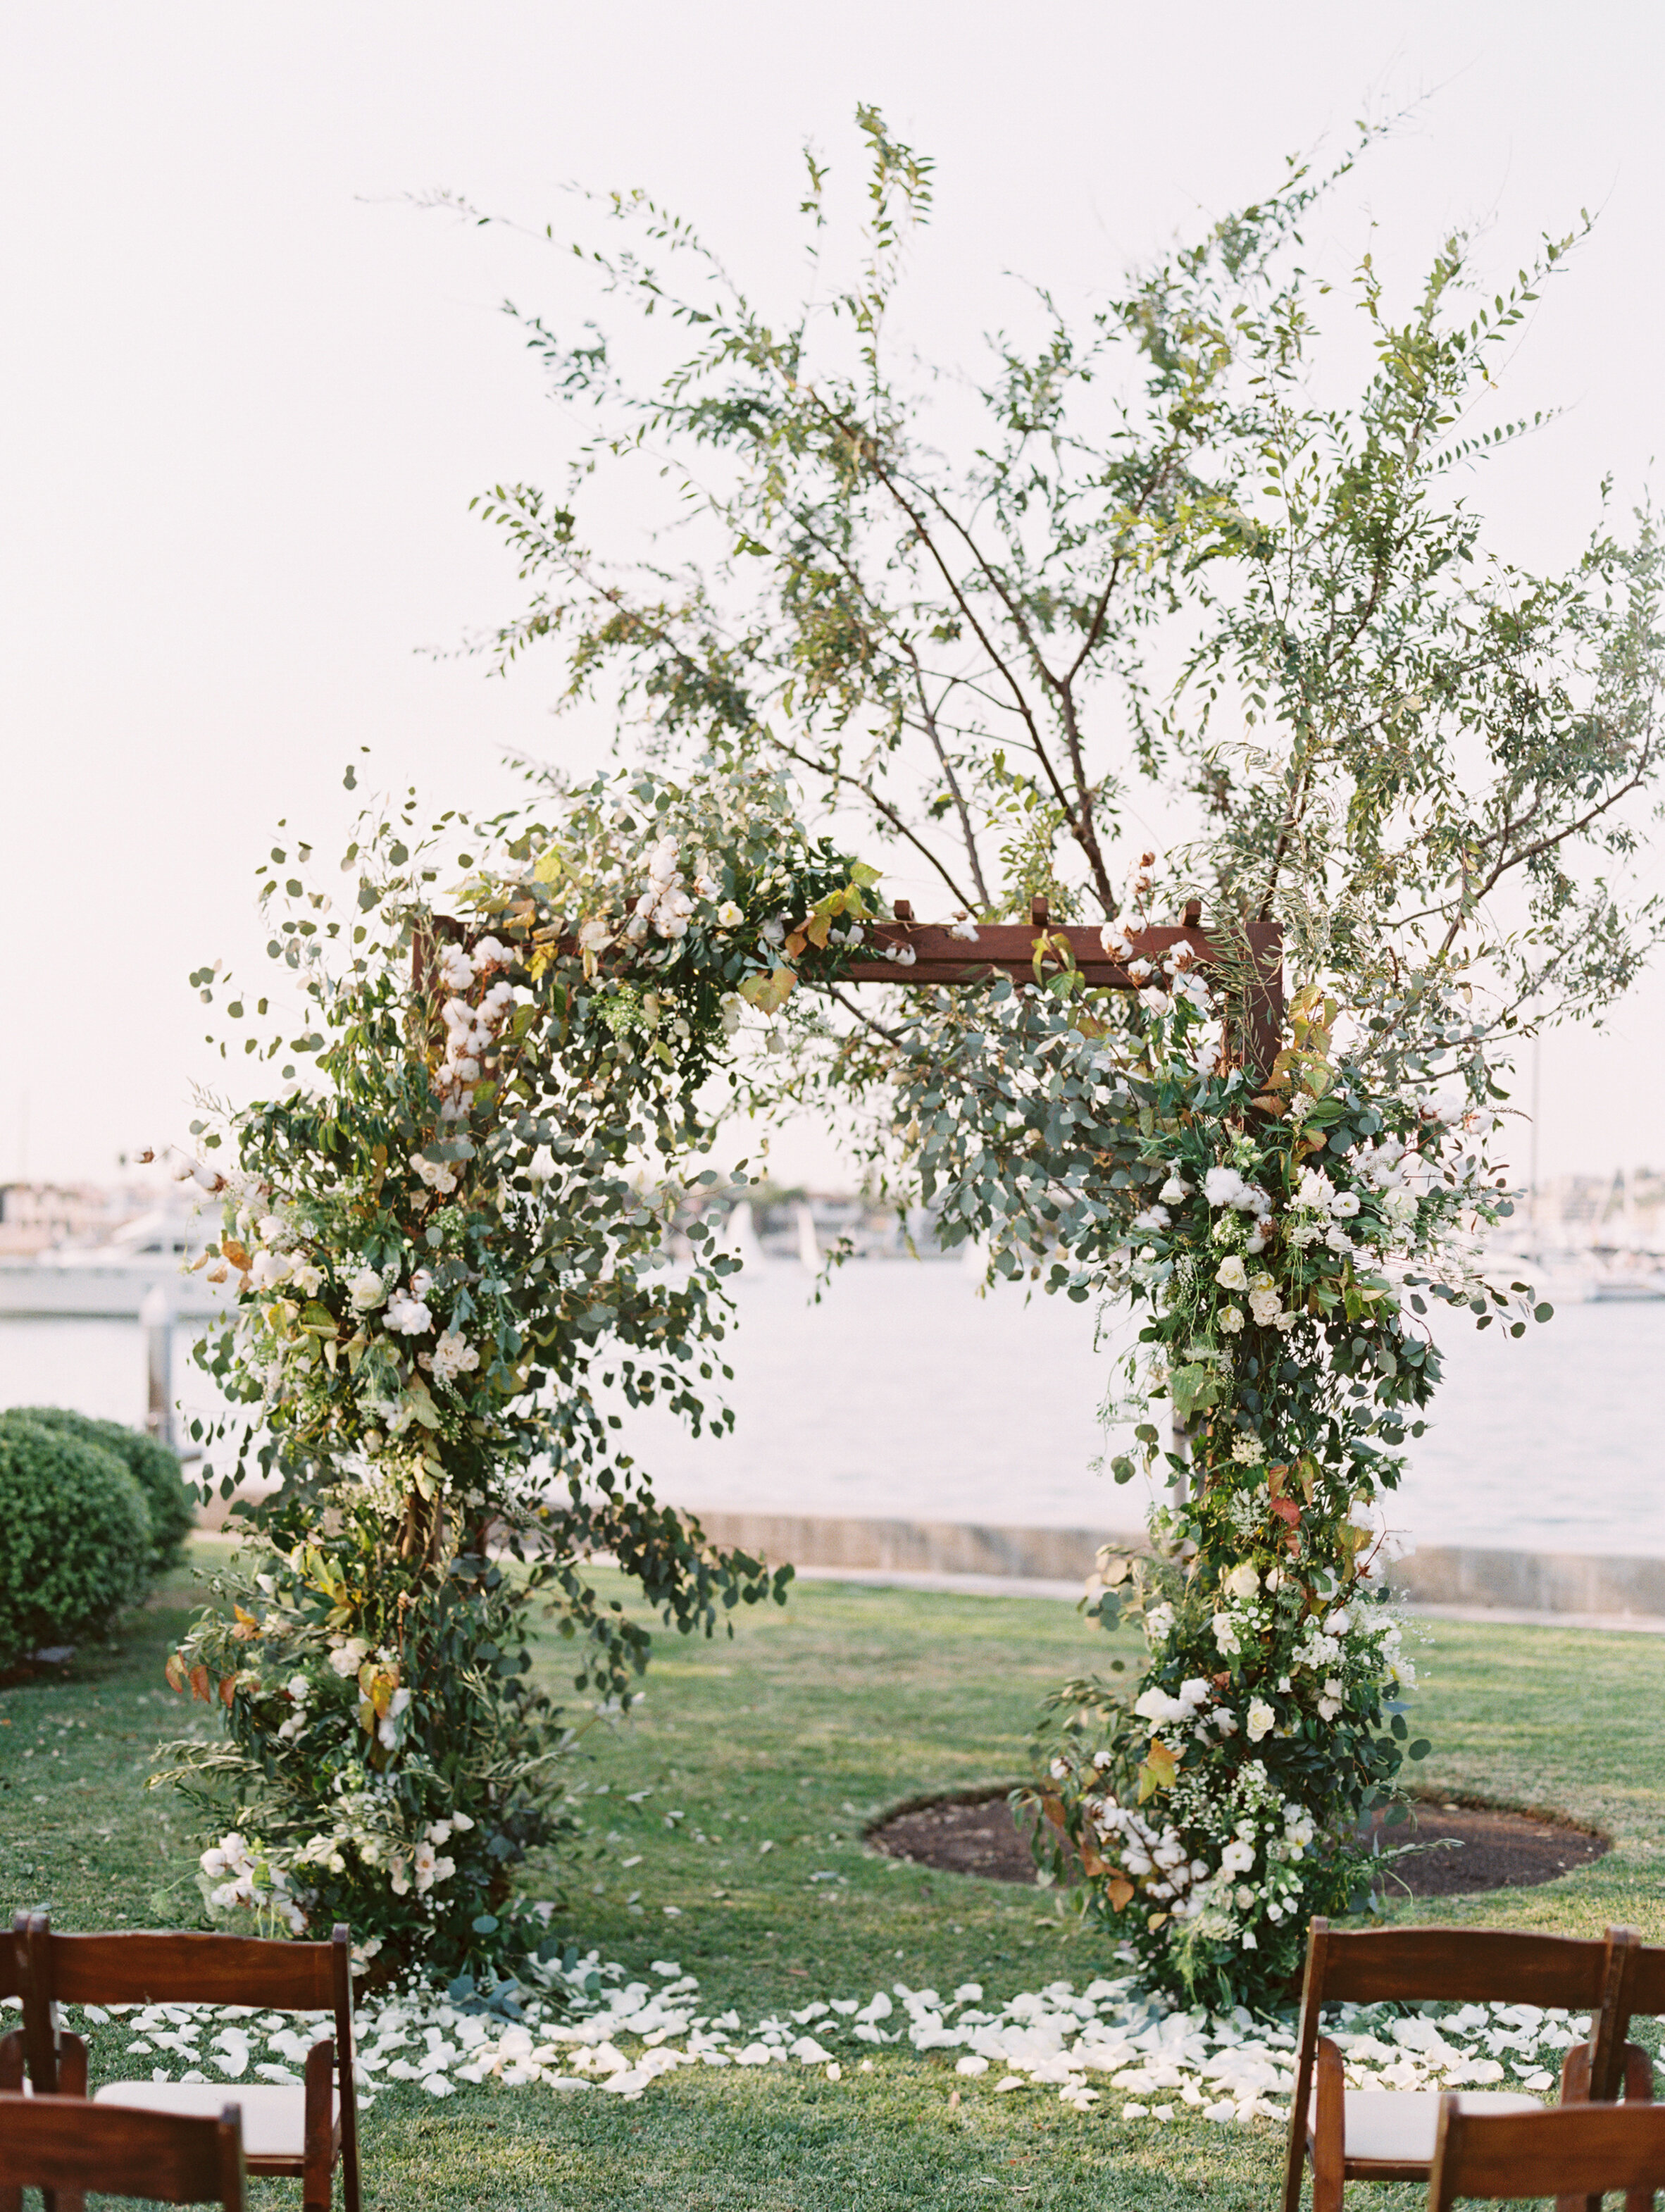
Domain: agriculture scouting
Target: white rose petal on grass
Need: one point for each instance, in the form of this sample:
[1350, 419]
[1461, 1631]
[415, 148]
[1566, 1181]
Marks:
[971, 2064]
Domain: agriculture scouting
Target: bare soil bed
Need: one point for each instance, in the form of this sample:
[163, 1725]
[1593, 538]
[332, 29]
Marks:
[1479, 1848]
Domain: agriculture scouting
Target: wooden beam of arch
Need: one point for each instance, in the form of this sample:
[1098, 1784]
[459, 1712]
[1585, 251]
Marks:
[941, 957]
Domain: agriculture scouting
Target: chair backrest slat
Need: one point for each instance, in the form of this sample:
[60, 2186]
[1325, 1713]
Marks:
[67, 2143]
[1463, 1965]
[1569, 2151]
[141, 1967]
[1645, 1990]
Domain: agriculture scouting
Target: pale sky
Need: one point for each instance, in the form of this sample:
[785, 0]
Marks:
[248, 391]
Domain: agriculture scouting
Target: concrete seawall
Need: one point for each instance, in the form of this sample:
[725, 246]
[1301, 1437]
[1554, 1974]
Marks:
[1462, 1578]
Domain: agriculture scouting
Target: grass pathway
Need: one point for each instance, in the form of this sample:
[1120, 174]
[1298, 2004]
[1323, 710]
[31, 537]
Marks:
[750, 1771]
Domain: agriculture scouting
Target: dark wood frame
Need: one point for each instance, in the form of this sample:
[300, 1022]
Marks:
[1464, 1964]
[141, 1967]
[1577, 2151]
[1015, 949]
[64, 2147]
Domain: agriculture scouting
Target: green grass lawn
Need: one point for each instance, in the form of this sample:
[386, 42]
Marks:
[792, 1737]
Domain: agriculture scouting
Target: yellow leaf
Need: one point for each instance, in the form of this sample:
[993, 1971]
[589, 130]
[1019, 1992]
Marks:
[817, 928]
[1121, 1890]
[770, 991]
[1158, 1771]
[551, 866]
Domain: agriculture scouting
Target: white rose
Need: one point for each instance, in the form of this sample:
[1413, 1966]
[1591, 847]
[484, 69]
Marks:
[1243, 1583]
[1262, 1719]
[367, 1291]
[1231, 1275]
[729, 915]
[1231, 1319]
[1343, 1203]
[347, 1658]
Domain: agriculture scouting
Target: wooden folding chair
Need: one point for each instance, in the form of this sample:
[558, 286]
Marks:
[65, 2146]
[1572, 2152]
[1389, 2134]
[300, 2129]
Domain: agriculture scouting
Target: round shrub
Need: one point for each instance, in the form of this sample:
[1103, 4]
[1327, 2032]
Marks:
[152, 1466]
[75, 1537]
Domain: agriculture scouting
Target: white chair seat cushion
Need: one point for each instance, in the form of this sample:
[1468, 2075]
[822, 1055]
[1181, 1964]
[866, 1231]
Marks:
[1398, 2126]
[274, 2113]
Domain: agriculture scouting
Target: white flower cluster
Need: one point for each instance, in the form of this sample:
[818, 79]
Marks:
[470, 1029]
[240, 1878]
[665, 907]
[1162, 2064]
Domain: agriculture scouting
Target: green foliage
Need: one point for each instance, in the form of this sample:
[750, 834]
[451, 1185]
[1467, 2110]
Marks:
[152, 1466]
[449, 1268]
[78, 1541]
[978, 609]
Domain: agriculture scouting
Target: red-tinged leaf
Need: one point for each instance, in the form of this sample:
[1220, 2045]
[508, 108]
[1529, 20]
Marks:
[199, 1686]
[228, 1689]
[175, 1672]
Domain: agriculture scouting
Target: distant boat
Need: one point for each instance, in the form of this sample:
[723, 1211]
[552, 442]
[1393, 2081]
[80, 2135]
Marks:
[1627, 1284]
[110, 1281]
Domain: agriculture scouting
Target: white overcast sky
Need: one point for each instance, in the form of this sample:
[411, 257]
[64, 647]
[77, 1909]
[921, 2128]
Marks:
[246, 390]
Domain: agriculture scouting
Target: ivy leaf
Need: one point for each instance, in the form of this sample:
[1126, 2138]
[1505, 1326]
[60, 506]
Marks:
[1194, 1388]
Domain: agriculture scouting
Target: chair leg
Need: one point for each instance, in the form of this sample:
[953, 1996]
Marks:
[11, 2077]
[319, 2152]
[1638, 2090]
[1329, 2134]
[1638, 2076]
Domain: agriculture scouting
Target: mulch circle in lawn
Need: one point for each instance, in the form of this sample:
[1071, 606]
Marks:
[1481, 1848]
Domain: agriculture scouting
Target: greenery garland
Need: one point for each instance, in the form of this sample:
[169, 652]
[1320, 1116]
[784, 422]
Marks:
[1282, 1243]
[449, 1253]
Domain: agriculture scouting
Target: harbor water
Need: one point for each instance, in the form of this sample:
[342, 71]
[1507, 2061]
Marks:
[904, 1394]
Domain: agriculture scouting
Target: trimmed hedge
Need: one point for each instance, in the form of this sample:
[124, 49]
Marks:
[75, 1542]
[152, 1466]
